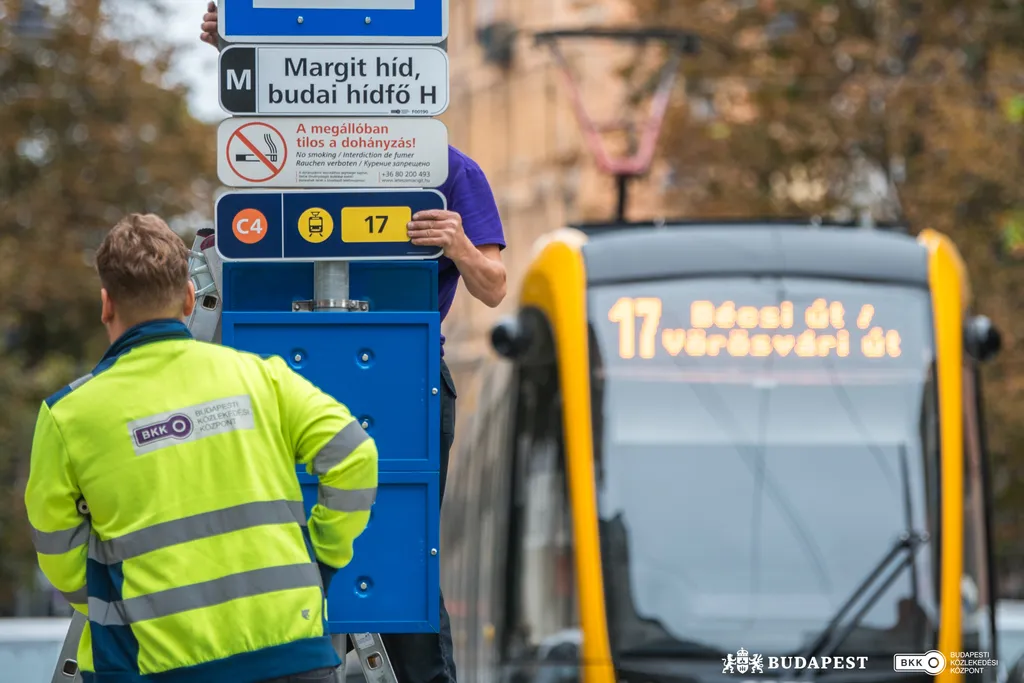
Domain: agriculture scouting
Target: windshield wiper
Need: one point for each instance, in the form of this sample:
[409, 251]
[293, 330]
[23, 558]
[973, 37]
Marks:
[832, 636]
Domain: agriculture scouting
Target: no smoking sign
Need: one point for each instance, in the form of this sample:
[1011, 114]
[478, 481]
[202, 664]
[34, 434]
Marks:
[257, 152]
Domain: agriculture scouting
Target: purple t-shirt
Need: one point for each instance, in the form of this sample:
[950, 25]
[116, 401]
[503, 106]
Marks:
[468, 194]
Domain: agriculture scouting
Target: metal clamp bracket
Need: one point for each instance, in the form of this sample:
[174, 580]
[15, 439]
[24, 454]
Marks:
[330, 305]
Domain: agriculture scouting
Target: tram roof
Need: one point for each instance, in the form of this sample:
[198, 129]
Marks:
[630, 252]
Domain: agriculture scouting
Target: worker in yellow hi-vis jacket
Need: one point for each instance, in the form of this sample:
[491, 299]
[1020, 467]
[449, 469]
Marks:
[163, 498]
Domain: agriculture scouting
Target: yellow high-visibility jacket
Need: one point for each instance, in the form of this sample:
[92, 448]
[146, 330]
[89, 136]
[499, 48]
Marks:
[165, 506]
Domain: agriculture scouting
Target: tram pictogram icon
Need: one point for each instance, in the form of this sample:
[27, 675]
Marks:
[315, 225]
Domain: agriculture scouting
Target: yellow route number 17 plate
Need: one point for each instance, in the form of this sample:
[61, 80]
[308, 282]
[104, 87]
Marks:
[375, 223]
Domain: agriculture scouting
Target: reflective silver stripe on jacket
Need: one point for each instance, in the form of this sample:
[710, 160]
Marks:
[60, 542]
[78, 597]
[341, 445]
[342, 500]
[80, 381]
[203, 525]
[205, 594]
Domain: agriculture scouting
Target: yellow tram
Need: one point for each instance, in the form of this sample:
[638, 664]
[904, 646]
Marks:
[724, 450]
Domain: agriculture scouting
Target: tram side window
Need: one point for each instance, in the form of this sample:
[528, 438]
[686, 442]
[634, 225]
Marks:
[975, 589]
[542, 596]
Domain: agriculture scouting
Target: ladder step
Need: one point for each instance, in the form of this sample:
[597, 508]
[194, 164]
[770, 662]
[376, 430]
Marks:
[373, 658]
[67, 663]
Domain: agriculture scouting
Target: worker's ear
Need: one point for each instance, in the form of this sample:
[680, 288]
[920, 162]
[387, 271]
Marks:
[107, 310]
[190, 300]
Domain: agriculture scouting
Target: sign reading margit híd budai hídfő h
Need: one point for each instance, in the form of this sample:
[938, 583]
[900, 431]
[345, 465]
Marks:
[334, 80]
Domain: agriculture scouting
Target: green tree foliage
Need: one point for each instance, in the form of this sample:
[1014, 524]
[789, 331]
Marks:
[804, 107]
[89, 131]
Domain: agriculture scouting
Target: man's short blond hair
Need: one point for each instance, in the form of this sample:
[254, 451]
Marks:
[143, 265]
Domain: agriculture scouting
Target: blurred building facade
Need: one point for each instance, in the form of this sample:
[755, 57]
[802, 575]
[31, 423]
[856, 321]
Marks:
[512, 113]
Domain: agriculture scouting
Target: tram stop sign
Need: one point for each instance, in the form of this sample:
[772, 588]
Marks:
[351, 158]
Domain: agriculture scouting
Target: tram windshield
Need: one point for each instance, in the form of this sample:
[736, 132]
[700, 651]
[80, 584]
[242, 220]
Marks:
[761, 445]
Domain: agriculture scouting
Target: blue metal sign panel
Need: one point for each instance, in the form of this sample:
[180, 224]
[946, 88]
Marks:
[336, 225]
[385, 366]
[387, 378]
[334, 21]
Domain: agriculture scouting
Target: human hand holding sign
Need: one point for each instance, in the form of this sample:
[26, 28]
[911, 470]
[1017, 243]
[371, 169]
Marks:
[440, 228]
[480, 267]
[209, 26]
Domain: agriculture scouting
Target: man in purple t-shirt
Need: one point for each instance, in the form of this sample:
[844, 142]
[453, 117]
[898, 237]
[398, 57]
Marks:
[471, 235]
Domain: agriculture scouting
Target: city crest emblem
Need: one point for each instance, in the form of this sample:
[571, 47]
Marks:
[742, 662]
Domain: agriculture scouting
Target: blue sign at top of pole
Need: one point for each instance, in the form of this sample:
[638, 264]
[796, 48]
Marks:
[334, 21]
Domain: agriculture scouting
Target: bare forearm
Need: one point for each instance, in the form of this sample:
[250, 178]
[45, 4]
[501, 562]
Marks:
[484, 277]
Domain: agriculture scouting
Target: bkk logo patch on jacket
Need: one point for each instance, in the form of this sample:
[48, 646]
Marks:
[191, 423]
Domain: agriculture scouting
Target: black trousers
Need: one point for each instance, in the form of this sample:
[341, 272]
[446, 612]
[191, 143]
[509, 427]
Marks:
[427, 657]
